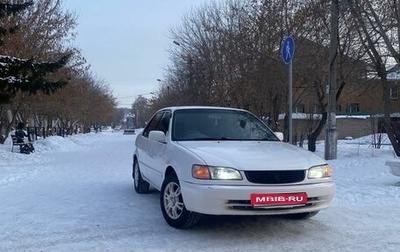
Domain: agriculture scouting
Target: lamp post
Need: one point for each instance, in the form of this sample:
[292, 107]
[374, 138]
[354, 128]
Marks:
[159, 80]
[187, 57]
[137, 117]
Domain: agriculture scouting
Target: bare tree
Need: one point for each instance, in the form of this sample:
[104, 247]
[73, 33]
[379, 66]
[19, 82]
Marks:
[378, 27]
[44, 34]
[312, 59]
[229, 55]
[142, 110]
[23, 72]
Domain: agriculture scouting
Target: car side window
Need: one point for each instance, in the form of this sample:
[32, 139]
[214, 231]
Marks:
[153, 124]
[164, 122]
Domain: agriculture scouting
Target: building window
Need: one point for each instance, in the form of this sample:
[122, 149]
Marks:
[353, 108]
[315, 108]
[394, 93]
[300, 108]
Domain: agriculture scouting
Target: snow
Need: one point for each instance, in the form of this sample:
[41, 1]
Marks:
[76, 194]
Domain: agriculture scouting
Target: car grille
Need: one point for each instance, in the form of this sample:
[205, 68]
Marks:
[275, 177]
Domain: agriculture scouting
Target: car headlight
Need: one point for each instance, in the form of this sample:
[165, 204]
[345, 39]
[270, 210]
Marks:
[215, 172]
[320, 171]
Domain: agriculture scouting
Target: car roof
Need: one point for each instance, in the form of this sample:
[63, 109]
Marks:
[175, 108]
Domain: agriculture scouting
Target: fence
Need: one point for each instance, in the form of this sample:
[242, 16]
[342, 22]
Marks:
[42, 132]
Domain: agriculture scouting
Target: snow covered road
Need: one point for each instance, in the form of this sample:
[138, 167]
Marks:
[76, 194]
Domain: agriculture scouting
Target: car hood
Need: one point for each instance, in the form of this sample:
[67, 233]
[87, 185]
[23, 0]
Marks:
[253, 155]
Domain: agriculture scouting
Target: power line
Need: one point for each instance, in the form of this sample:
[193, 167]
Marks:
[131, 96]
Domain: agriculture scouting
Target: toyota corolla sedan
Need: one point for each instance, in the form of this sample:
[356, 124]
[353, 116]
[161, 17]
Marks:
[225, 161]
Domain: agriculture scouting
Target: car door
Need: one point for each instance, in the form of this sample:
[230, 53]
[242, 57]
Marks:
[157, 152]
[153, 153]
[144, 146]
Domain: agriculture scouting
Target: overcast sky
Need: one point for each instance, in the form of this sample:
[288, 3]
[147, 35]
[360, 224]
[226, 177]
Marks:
[126, 41]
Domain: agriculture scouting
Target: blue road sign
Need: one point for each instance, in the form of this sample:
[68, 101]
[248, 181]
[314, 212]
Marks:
[288, 50]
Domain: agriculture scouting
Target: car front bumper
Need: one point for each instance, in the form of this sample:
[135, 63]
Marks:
[235, 200]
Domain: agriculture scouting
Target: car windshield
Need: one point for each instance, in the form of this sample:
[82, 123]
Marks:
[219, 124]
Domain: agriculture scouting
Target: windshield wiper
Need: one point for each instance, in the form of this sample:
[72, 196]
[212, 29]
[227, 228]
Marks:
[226, 139]
[214, 138]
[267, 139]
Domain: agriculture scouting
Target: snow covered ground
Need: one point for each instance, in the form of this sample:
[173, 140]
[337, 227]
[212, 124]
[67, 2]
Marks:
[76, 194]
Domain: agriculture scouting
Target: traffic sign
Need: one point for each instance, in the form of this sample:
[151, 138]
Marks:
[287, 56]
[288, 49]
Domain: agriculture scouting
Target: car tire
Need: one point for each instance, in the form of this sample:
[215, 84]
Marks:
[173, 207]
[140, 185]
[301, 216]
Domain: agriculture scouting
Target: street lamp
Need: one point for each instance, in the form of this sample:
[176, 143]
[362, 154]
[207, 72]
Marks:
[159, 80]
[187, 57]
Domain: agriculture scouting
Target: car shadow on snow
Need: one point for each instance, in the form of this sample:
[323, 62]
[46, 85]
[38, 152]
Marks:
[150, 205]
[216, 221]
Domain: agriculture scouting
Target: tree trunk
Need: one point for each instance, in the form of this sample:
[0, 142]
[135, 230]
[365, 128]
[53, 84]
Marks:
[312, 137]
[391, 128]
[8, 126]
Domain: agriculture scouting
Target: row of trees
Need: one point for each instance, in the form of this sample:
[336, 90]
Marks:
[43, 77]
[228, 54]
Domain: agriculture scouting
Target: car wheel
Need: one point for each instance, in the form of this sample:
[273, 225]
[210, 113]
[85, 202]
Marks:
[300, 216]
[173, 207]
[140, 185]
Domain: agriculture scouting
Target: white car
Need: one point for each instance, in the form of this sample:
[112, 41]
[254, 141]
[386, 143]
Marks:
[225, 161]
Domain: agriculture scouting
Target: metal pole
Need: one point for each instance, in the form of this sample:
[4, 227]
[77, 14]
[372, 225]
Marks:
[290, 131]
[137, 118]
[331, 132]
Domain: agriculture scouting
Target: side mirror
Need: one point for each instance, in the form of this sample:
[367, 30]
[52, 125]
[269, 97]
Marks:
[279, 135]
[158, 136]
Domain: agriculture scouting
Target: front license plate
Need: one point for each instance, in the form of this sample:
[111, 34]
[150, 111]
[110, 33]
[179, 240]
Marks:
[258, 199]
